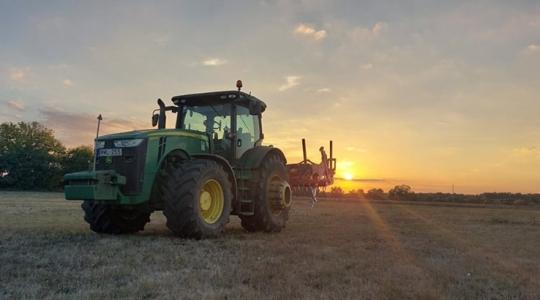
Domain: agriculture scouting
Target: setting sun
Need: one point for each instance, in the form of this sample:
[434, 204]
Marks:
[348, 176]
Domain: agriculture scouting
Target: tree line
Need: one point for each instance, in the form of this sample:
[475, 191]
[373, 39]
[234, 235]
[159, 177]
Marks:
[31, 158]
[405, 193]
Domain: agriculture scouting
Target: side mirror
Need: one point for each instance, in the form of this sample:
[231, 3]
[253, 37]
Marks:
[155, 119]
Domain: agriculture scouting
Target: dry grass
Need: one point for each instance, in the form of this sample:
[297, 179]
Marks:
[337, 250]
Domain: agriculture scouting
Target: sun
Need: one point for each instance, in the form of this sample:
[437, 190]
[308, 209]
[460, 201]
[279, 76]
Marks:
[348, 176]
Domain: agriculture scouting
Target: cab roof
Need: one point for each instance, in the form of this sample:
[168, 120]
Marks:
[221, 97]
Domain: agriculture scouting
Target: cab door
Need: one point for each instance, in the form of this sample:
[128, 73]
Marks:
[248, 131]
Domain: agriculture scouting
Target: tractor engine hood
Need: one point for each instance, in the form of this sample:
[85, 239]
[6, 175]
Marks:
[143, 134]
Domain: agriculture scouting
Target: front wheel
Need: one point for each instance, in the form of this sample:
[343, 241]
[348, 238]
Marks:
[115, 219]
[197, 197]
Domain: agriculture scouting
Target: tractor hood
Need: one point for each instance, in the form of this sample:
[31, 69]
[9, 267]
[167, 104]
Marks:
[142, 134]
[135, 134]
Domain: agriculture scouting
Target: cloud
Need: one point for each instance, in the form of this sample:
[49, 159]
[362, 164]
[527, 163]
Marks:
[366, 33]
[533, 48]
[367, 66]
[80, 128]
[324, 90]
[526, 152]
[18, 74]
[355, 149]
[292, 81]
[16, 105]
[213, 62]
[379, 28]
[67, 82]
[310, 32]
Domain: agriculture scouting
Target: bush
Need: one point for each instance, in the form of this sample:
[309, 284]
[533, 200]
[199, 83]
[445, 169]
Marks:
[375, 194]
[401, 192]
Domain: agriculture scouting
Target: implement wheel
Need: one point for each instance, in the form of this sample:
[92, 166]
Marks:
[273, 198]
[197, 197]
[115, 219]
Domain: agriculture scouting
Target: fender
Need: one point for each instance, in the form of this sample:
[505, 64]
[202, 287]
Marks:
[254, 157]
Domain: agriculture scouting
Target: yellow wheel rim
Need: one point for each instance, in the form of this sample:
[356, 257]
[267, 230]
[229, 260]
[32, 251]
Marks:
[211, 201]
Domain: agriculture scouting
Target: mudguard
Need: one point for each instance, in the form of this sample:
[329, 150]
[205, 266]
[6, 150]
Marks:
[254, 157]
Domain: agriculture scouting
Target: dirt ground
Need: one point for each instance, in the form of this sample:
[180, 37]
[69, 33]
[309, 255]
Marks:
[345, 249]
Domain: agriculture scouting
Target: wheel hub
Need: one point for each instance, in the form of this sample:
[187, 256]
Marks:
[280, 194]
[211, 201]
[206, 200]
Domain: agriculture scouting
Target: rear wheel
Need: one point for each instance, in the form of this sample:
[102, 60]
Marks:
[115, 219]
[273, 198]
[197, 197]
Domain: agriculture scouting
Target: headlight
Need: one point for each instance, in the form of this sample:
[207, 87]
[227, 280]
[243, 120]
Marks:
[127, 143]
[100, 144]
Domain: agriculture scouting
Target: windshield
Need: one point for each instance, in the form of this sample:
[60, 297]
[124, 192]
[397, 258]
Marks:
[211, 119]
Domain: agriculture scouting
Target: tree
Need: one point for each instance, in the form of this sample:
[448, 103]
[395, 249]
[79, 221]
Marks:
[30, 156]
[401, 192]
[359, 193]
[375, 194]
[77, 159]
[336, 191]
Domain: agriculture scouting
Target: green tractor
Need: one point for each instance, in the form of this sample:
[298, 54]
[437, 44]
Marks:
[211, 165]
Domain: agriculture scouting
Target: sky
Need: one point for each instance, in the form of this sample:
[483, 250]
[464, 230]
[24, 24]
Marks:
[426, 93]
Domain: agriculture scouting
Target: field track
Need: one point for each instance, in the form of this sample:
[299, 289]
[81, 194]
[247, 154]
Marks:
[340, 249]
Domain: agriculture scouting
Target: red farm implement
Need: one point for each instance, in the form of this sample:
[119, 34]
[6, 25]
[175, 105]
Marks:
[307, 175]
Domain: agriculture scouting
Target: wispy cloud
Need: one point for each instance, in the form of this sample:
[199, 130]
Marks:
[291, 81]
[367, 66]
[379, 28]
[213, 62]
[67, 82]
[18, 74]
[355, 149]
[310, 32]
[16, 105]
[533, 48]
[367, 33]
[526, 152]
[324, 90]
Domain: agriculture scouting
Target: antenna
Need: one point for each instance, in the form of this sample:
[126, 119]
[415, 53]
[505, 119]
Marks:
[99, 118]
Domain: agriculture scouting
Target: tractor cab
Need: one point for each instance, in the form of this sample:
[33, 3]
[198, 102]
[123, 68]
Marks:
[230, 119]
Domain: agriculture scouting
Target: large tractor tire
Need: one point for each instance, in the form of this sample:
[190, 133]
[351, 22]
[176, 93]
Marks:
[114, 219]
[197, 196]
[273, 198]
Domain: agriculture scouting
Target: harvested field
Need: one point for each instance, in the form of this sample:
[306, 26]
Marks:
[338, 250]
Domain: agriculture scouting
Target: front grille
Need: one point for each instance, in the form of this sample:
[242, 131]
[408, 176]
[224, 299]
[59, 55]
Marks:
[130, 165]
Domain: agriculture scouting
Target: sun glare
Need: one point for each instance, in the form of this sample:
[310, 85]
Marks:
[348, 176]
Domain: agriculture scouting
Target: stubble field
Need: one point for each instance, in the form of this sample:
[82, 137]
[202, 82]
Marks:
[339, 249]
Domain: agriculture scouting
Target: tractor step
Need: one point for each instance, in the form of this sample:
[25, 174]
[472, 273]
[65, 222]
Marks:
[246, 207]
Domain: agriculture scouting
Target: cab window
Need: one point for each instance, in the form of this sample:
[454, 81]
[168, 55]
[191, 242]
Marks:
[215, 120]
[247, 130]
